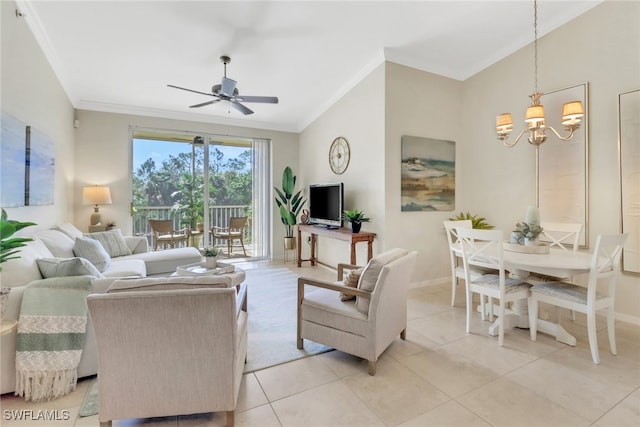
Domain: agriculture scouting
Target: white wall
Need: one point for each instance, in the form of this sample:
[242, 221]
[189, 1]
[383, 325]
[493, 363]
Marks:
[103, 156]
[32, 94]
[601, 47]
[358, 117]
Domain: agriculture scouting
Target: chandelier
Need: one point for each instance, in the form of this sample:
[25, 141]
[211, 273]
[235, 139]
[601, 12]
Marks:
[572, 112]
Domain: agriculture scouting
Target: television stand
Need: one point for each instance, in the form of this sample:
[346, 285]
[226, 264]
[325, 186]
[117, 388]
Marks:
[333, 233]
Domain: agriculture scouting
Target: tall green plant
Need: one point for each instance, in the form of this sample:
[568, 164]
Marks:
[290, 204]
[190, 204]
[9, 246]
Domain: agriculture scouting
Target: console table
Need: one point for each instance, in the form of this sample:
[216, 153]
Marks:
[333, 233]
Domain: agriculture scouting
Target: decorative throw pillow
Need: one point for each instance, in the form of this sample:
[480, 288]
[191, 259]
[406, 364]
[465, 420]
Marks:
[112, 241]
[62, 267]
[91, 249]
[370, 275]
[69, 229]
[350, 281]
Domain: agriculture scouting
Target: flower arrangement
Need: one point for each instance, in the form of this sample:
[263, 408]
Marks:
[529, 231]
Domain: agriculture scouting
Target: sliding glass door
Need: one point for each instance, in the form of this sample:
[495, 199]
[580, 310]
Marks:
[200, 181]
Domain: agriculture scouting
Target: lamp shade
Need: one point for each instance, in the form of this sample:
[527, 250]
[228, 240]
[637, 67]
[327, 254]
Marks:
[572, 112]
[96, 195]
[534, 116]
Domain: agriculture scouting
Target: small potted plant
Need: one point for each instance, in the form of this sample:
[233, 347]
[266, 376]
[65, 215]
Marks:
[530, 232]
[211, 257]
[356, 218]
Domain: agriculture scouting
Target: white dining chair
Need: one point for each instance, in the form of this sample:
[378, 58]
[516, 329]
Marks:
[457, 270]
[598, 295]
[563, 235]
[484, 248]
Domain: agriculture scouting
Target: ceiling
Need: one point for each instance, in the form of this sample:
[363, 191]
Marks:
[119, 56]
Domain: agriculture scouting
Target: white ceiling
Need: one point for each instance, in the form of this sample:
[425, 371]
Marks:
[118, 56]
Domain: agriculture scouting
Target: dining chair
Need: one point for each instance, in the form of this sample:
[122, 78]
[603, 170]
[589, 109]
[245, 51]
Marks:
[234, 231]
[563, 235]
[165, 235]
[484, 248]
[457, 270]
[599, 294]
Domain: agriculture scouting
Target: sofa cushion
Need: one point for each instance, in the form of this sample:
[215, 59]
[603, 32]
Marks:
[171, 283]
[168, 260]
[23, 270]
[369, 276]
[62, 267]
[59, 243]
[70, 230]
[129, 267]
[91, 249]
[112, 241]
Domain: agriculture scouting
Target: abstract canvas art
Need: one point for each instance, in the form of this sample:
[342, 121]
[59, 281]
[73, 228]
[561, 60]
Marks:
[41, 167]
[428, 174]
[12, 167]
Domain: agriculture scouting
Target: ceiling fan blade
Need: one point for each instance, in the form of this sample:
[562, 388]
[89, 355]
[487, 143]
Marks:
[204, 103]
[190, 90]
[263, 99]
[228, 86]
[244, 110]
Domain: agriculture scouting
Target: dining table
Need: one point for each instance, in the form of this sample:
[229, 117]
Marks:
[558, 263]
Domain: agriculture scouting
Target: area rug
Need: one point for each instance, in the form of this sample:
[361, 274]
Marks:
[272, 306]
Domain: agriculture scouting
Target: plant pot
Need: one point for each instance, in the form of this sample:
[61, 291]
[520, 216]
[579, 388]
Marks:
[355, 226]
[4, 300]
[211, 262]
[200, 227]
[289, 243]
[529, 241]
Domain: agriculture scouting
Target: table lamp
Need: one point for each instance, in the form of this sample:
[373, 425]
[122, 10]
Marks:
[96, 195]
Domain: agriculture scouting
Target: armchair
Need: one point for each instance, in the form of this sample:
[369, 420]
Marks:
[177, 345]
[233, 232]
[364, 327]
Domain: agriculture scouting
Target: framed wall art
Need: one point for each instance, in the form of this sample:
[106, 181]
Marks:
[428, 174]
[562, 166]
[13, 162]
[629, 158]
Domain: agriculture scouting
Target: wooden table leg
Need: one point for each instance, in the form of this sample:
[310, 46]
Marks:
[370, 249]
[299, 261]
[313, 249]
[353, 253]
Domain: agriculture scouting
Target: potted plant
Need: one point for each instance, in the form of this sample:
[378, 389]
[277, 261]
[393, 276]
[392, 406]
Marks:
[211, 257]
[530, 232]
[9, 246]
[190, 203]
[356, 218]
[290, 205]
[477, 222]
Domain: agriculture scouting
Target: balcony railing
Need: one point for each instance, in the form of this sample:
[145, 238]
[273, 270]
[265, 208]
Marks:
[218, 216]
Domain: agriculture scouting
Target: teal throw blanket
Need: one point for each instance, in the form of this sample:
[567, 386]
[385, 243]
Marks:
[51, 330]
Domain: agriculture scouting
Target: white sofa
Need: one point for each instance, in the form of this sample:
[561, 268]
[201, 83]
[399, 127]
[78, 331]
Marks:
[58, 243]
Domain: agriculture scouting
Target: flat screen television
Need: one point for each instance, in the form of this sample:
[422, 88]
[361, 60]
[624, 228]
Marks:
[325, 204]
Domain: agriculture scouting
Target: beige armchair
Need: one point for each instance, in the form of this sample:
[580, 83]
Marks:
[170, 346]
[367, 325]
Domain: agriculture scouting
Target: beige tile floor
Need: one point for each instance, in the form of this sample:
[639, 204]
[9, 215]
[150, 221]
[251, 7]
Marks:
[439, 376]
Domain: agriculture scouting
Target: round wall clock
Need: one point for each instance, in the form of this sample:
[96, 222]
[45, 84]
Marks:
[339, 155]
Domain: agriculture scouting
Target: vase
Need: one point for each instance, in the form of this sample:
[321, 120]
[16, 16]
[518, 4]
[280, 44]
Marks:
[289, 243]
[355, 226]
[517, 238]
[529, 241]
[211, 262]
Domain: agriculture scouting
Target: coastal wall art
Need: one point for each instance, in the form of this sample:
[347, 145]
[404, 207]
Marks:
[12, 162]
[40, 167]
[427, 174]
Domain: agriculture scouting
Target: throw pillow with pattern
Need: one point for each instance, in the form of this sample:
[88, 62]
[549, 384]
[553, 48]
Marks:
[91, 249]
[350, 281]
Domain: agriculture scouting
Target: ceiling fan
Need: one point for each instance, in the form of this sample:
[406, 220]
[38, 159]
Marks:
[228, 91]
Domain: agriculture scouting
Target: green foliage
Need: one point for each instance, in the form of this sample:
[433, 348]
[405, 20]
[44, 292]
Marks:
[354, 216]
[9, 246]
[530, 231]
[211, 252]
[476, 222]
[189, 206]
[290, 204]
